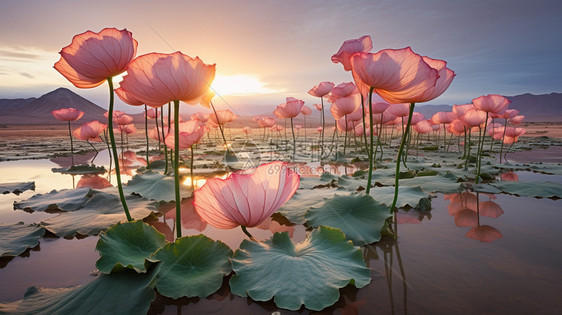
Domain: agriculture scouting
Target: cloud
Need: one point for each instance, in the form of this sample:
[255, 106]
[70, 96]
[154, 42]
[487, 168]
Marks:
[27, 75]
[13, 53]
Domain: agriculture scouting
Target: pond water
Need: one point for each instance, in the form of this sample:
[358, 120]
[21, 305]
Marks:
[432, 268]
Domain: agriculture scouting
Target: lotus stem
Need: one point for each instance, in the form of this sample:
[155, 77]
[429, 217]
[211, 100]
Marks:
[146, 134]
[364, 125]
[323, 127]
[371, 157]
[191, 169]
[397, 175]
[481, 148]
[176, 166]
[71, 144]
[294, 139]
[503, 138]
[114, 149]
[164, 138]
[247, 233]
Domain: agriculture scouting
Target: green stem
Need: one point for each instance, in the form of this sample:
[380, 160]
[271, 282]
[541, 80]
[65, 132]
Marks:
[247, 233]
[71, 145]
[114, 149]
[364, 124]
[503, 139]
[345, 136]
[294, 140]
[220, 126]
[323, 127]
[146, 134]
[176, 166]
[481, 148]
[397, 175]
[164, 138]
[371, 143]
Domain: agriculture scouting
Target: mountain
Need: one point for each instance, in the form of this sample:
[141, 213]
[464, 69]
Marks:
[38, 111]
[543, 107]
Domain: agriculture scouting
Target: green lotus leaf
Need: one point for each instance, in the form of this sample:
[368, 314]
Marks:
[128, 245]
[485, 188]
[155, 186]
[446, 183]
[118, 293]
[16, 238]
[295, 209]
[16, 188]
[102, 210]
[530, 189]
[309, 273]
[359, 217]
[192, 266]
[407, 195]
[65, 200]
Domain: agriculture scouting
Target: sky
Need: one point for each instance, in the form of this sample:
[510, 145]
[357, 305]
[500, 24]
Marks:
[271, 49]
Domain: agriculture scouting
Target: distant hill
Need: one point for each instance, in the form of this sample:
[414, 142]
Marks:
[38, 110]
[544, 107]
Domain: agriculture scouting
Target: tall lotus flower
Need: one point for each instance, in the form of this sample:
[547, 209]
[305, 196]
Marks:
[190, 133]
[320, 91]
[400, 76]
[291, 109]
[351, 47]
[90, 131]
[517, 119]
[459, 110]
[91, 59]
[157, 79]
[68, 114]
[222, 117]
[246, 198]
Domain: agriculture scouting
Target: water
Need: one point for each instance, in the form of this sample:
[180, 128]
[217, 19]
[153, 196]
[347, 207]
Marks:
[433, 267]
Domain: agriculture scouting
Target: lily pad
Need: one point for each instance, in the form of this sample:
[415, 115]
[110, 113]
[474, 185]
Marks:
[63, 200]
[128, 245]
[359, 217]
[530, 189]
[102, 210]
[309, 273]
[407, 195]
[155, 186]
[16, 238]
[117, 293]
[192, 266]
[16, 188]
[295, 209]
[446, 183]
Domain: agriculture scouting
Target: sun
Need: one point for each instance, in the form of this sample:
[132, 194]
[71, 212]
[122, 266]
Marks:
[240, 84]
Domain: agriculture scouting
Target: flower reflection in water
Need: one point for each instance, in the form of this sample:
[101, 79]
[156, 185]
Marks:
[467, 208]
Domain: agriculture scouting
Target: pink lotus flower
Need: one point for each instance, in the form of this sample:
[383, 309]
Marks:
[321, 89]
[246, 198]
[91, 58]
[265, 122]
[152, 113]
[290, 109]
[456, 127]
[517, 119]
[443, 117]
[247, 130]
[399, 110]
[402, 76]
[491, 103]
[319, 129]
[459, 110]
[318, 106]
[423, 127]
[473, 117]
[156, 79]
[155, 133]
[224, 116]
[306, 110]
[345, 105]
[67, 114]
[126, 129]
[127, 97]
[351, 47]
[90, 131]
[123, 119]
[379, 107]
[200, 116]
[190, 132]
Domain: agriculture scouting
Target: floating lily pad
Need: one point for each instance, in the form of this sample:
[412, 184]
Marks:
[192, 266]
[530, 189]
[16, 188]
[410, 196]
[128, 245]
[309, 273]
[446, 183]
[102, 210]
[80, 169]
[16, 238]
[64, 200]
[117, 293]
[359, 217]
[155, 186]
[295, 209]
[485, 188]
